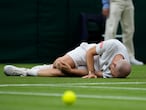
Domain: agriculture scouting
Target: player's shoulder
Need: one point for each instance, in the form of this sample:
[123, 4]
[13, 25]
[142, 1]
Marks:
[113, 41]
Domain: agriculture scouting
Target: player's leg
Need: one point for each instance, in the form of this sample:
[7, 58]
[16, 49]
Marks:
[66, 58]
[44, 71]
[50, 73]
[41, 70]
[74, 57]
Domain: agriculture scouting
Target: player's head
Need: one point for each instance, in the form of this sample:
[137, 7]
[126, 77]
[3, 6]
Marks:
[121, 69]
[124, 68]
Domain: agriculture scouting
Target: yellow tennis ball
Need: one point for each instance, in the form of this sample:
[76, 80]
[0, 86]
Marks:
[69, 97]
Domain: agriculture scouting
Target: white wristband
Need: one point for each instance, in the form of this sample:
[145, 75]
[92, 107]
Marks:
[91, 72]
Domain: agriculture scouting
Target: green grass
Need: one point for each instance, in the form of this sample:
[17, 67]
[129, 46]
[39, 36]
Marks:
[44, 93]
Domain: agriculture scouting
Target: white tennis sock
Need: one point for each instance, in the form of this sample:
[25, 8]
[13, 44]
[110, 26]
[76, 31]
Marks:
[34, 70]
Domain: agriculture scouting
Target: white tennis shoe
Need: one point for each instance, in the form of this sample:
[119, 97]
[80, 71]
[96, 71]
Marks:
[11, 70]
[134, 61]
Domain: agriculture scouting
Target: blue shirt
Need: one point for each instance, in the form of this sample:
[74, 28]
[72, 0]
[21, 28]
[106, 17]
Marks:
[105, 4]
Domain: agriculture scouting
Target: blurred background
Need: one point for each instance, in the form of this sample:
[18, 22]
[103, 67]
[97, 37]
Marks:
[42, 30]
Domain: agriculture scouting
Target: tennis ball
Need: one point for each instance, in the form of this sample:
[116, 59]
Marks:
[69, 97]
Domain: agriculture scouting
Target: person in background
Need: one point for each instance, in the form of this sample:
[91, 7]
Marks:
[107, 59]
[121, 11]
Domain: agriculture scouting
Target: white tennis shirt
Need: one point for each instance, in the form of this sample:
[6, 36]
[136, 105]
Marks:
[106, 51]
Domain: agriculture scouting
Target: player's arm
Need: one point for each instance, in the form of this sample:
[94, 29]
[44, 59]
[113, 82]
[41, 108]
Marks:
[90, 59]
[99, 74]
[78, 72]
[90, 63]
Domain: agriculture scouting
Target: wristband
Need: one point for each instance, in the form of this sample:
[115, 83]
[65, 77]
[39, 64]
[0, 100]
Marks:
[91, 72]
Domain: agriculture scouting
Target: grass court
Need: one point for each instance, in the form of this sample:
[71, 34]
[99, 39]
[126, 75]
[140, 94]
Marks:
[44, 93]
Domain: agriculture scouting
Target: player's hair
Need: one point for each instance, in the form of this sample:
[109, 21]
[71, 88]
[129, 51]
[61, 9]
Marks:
[124, 68]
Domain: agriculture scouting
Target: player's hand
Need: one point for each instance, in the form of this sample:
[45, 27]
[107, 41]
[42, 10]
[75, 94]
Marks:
[90, 76]
[65, 67]
[57, 63]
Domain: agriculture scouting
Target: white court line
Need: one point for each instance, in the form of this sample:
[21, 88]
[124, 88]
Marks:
[97, 83]
[78, 95]
[78, 85]
[112, 83]
[112, 88]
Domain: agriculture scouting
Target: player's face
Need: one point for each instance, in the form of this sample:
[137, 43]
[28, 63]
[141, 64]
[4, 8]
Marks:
[114, 70]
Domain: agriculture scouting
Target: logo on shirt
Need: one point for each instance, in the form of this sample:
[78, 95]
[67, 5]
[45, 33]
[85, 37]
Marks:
[101, 44]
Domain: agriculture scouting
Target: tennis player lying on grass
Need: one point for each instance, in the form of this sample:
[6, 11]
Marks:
[107, 59]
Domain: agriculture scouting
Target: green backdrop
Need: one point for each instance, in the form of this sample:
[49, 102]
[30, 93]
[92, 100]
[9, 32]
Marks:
[41, 30]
